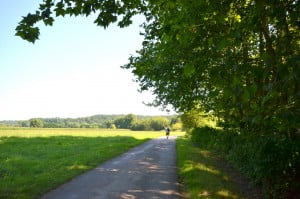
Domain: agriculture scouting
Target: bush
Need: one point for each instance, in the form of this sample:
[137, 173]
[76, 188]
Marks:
[141, 126]
[177, 126]
[271, 161]
[125, 122]
[159, 123]
[36, 123]
[196, 118]
[151, 124]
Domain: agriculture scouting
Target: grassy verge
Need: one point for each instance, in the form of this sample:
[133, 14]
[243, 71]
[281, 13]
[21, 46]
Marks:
[34, 161]
[201, 174]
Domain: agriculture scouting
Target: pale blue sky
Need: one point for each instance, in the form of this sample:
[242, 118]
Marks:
[72, 71]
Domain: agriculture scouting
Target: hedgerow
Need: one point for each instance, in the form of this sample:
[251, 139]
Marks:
[271, 161]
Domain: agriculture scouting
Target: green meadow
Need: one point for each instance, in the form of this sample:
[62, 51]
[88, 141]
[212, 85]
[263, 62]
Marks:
[34, 161]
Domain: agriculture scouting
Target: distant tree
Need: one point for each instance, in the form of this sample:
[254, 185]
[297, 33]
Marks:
[25, 123]
[94, 125]
[36, 123]
[176, 123]
[142, 125]
[126, 122]
[72, 125]
[84, 125]
[159, 123]
[175, 119]
[192, 119]
[197, 118]
[110, 125]
[150, 124]
[177, 126]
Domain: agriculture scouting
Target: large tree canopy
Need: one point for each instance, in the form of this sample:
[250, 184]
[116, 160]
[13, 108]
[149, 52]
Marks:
[236, 58]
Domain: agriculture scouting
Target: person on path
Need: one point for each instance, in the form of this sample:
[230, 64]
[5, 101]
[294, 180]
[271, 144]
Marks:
[167, 132]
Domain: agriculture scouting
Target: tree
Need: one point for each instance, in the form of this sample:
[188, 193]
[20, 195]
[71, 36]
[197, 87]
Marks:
[159, 123]
[110, 125]
[196, 118]
[110, 11]
[142, 125]
[126, 122]
[235, 59]
[36, 123]
[24, 123]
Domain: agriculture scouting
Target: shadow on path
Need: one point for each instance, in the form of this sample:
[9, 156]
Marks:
[147, 171]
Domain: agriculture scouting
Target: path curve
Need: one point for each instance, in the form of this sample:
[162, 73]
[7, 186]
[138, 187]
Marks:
[146, 171]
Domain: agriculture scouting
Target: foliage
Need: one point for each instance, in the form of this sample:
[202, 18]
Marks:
[177, 126]
[125, 122]
[110, 125]
[142, 125]
[24, 123]
[272, 161]
[238, 59]
[196, 118]
[159, 123]
[154, 123]
[37, 123]
[10, 123]
[95, 121]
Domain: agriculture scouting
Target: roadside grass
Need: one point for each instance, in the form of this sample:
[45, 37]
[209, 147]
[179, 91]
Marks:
[34, 161]
[200, 173]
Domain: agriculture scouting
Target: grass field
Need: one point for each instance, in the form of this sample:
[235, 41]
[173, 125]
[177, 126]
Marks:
[34, 161]
[202, 176]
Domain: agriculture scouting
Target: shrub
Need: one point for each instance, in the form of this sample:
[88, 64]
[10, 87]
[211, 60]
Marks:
[36, 123]
[196, 118]
[125, 122]
[272, 161]
[159, 123]
[176, 126]
[151, 124]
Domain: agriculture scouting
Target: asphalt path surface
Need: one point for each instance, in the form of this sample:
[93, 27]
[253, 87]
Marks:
[146, 171]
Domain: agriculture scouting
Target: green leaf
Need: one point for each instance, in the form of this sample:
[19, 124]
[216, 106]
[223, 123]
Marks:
[223, 44]
[210, 41]
[246, 95]
[189, 70]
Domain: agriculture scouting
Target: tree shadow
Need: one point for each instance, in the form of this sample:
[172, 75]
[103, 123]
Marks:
[31, 166]
[206, 175]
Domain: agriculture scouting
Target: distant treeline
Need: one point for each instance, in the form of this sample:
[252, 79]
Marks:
[130, 121]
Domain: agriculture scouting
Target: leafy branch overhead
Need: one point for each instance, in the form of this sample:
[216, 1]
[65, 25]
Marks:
[108, 12]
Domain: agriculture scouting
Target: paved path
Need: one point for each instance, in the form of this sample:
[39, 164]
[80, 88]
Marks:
[147, 171]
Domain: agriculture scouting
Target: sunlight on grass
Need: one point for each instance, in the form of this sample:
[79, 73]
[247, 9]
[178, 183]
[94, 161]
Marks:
[225, 177]
[201, 175]
[190, 165]
[204, 193]
[204, 167]
[226, 194]
[205, 153]
[48, 132]
[78, 167]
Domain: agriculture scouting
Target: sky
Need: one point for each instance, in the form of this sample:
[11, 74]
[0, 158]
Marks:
[73, 70]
